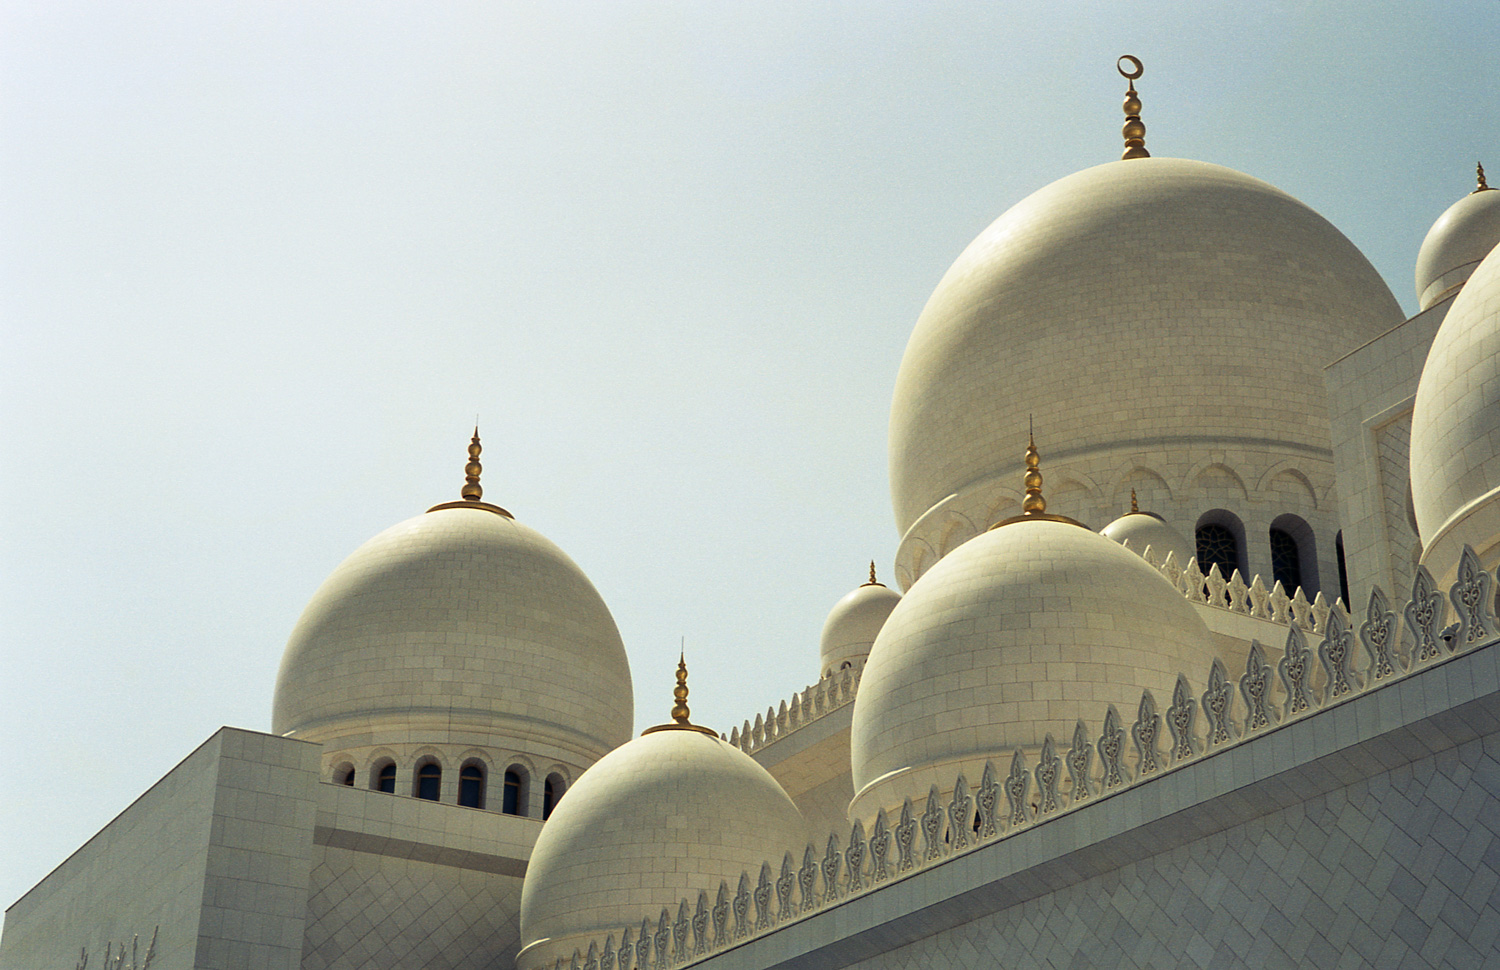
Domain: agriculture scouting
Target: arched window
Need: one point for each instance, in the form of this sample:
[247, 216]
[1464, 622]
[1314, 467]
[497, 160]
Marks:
[551, 792]
[1338, 553]
[471, 786]
[1286, 562]
[385, 778]
[1217, 546]
[1294, 562]
[512, 801]
[345, 775]
[429, 781]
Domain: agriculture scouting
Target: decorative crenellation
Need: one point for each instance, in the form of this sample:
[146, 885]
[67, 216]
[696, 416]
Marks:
[807, 705]
[1026, 796]
[116, 960]
[1234, 595]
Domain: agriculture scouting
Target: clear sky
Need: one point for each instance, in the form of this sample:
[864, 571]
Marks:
[262, 263]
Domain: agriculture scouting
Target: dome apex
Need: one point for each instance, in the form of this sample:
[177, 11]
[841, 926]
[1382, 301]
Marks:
[1457, 242]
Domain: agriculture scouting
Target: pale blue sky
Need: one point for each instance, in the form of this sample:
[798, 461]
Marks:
[263, 262]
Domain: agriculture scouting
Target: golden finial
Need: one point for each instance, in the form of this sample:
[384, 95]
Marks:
[472, 493]
[1134, 505]
[1134, 129]
[873, 581]
[471, 490]
[1483, 185]
[1034, 505]
[680, 720]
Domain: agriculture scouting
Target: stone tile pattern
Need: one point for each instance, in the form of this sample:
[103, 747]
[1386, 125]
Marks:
[1400, 871]
[374, 911]
[214, 858]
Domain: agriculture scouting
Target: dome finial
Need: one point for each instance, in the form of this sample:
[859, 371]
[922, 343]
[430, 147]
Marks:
[873, 581]
[1134, 505]
[1134, 129]
[472, 494]
[1483, 185]
[1034, 505]
[680, 712]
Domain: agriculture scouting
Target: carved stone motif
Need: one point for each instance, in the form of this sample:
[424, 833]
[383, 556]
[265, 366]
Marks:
[1473, 598]
[626, 953]
[880, 847]
[833, 862]
[906, 837]
[643, 945]
[591, 962]
[1424, 616]
[1146, 732]
[1295, 669]
[932, 826]
[854, 857]
[807, 879]
[1218, 705]
[573, 964]
[785, 883]
[764, 918]
[1379, 635]
[660, 940]
[721, 915]
[1080, 762]
[1320, 611]
[1192, 582]
[1336, 652]
[741, 907]
[1281, 604]
[987, 800]
[960, 815]
[607, 955]
[1260, 600]
[1017, 784]
[1111, 749]
[680, 932]
[700, 926]
[1180, 722]
[1238, 593]
[1301, 610]
[1255, 688]
[1218, 587]
[1048, 773]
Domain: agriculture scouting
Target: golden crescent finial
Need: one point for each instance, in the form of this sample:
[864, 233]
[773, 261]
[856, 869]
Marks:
[1483, 185]
[1034, 504]
[1134, 129]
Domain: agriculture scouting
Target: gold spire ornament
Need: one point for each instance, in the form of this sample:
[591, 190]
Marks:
[472, 492]
[1034, 505]
[680, 720]
[1483, 185]
[1134, 129]
[1135, 507]
[873, 581]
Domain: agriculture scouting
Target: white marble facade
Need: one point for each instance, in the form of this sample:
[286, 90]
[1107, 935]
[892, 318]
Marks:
[1053, 750]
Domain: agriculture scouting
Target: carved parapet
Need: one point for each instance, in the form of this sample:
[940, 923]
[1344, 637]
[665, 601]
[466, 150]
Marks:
[849, 863]
[833, 692]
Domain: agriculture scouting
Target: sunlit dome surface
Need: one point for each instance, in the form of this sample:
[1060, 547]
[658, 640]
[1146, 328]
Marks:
[1455, 245]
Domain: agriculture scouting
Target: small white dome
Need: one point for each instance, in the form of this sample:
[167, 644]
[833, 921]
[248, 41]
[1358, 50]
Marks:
[1455, 434]
[1016, 633]
[1149, 529]
[460, 620]
[654, 822]
[853, 624]
[1455, 245]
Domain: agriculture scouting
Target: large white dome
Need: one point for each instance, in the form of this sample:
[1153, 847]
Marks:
[670, 814]
[459, 624]
[1455, 434]
[1137, 305]
[1146, 530]
[1455, 245]
[1018, 632]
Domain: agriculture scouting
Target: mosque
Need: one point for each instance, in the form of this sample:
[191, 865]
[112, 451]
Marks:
[1253, 721]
